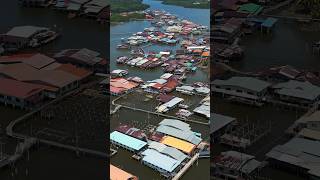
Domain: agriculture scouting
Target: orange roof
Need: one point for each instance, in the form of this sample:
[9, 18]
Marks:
[122, 83]
[206, 54]
[178, 144]
[116, 89]
[197, 51]
[119, 174]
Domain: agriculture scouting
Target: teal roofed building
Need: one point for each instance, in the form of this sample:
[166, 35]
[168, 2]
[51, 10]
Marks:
[127, 142]
[250, 8]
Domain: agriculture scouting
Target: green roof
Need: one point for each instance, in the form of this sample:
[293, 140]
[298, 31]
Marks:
[250, 8]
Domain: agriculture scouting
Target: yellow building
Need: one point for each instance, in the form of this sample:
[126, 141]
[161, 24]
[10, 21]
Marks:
[178, 144]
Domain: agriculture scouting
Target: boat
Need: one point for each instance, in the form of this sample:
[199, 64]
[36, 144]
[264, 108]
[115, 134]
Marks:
[184, 106]
[43, 38]
[136, 157]
[122, 59]
[123, 46]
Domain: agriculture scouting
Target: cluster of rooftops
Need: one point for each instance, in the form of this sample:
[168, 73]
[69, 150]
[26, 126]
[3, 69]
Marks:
[24, 75]
[178, 142]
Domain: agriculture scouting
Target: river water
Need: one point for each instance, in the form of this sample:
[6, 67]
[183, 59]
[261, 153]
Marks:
[287, 45]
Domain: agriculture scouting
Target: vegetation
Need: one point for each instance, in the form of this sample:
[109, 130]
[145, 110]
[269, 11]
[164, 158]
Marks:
[119, 6]
[201, 4]
[116, 17]
[311, 7]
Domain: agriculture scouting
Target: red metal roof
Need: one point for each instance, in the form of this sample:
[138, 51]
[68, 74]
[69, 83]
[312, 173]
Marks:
[18, 89]
[157, 86]
[72, 69]
[164, 98]
[15, 58]
[131, 131]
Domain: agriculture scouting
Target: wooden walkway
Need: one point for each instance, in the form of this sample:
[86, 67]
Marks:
[11, 133]
[186, 167]
[113, 102]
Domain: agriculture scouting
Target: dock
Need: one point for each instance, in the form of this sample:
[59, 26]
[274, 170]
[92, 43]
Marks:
[186, 167]
[113, 152]
[29, 141]
[118, 106]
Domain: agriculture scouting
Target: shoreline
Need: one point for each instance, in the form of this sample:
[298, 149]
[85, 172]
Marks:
[185, 4]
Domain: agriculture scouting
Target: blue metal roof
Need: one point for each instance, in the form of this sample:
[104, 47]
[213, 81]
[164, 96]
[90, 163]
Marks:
[160, 160]
[126, 140]
[269, 22]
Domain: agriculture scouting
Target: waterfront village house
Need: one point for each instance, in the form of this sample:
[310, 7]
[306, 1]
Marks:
[20, 36]
[75, 5]
[300, 156]
[233, 165]
[55, 82]
[83, 58]
[302, 93]
[280, 74]
[243, 87]
[219, 124]
[20, 94]
[225, 33]
[97, 9]
[307, 126]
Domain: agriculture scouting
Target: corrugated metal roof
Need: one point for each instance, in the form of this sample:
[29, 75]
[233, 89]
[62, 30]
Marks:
[24, 31]
[126, 140]
[176, 124]
[203, 109]
[160, 160]
[173, 102]
[39, 61]
[178, 144]
[309, 133]
[244, 82]
[23, 72]
[9, 87]
[299, 89]
[172, 152]
[185, 135]
[219, 121]
[300, 152]
[87, 56]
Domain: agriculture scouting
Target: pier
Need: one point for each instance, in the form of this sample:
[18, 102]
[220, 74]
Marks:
[186, 167]
[118, 106]
[30, 141]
